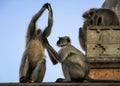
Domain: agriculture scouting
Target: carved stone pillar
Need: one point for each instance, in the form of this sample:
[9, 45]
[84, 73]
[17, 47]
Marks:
[103, 52]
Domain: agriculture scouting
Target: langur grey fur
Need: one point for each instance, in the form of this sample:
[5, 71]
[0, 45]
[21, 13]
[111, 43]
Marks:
[82, 38]
[74, 63]
[33, 64]
[101, 16]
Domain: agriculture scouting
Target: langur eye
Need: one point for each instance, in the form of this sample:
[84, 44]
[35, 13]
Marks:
[91, 14]
[68, 40]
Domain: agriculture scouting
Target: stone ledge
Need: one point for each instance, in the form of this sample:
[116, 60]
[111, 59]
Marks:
[59, 84]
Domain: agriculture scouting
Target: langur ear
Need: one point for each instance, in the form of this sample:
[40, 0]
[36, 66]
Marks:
[60, 38]
[68, 40]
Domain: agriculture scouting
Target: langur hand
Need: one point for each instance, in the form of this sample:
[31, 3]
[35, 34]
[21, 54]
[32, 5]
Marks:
[46, 5]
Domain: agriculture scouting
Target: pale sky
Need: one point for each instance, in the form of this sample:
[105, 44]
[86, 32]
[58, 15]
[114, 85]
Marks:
[15, 16]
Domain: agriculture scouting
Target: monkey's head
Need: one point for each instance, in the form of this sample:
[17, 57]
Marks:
[88, 14]
[38, 33]
[63, 41]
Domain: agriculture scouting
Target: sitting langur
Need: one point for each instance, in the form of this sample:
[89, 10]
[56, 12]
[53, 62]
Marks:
[101, 16]
[96, 16]
[33, 64]
[74, 64]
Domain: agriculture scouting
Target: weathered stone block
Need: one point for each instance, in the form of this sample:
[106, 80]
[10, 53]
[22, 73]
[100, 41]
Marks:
[103, 52]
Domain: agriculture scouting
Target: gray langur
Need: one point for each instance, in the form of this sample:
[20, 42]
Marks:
[74, 63]
[101, 16]
[33, 64]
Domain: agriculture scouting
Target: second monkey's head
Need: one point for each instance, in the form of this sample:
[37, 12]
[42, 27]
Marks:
[63, 41]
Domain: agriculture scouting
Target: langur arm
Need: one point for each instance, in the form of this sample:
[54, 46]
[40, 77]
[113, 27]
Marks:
[82, 38]
[47, 30]
[52, 52]
[32, 25]
[52, 56]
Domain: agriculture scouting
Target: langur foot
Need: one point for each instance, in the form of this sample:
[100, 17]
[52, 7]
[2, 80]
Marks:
[23, 79]
[61, 80]
[79, 80]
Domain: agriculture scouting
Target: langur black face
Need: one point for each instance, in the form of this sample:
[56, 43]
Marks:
[63, 41]
[88, 14]
[38, 33]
